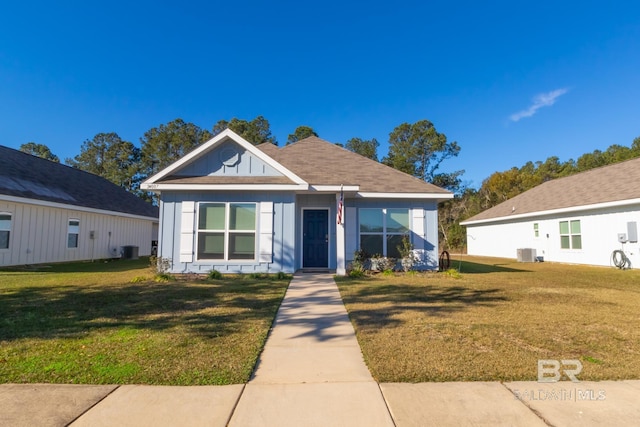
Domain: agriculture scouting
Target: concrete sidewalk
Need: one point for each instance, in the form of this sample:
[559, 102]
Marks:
[311, 373]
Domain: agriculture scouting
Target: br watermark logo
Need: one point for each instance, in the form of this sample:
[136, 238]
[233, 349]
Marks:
[551, 371]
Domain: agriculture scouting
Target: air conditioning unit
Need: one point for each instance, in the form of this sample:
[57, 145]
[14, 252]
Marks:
[526, 255]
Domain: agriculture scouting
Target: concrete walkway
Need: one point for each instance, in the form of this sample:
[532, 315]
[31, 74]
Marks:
[311, 373]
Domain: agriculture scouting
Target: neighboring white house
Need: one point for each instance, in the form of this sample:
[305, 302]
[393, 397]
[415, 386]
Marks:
[238, 208]
[579, 219]
[54, 213]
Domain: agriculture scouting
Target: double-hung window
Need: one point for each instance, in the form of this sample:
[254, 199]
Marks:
[227, 231]
[5, 229]
[73, 233]
[381, 230]
[570, 235]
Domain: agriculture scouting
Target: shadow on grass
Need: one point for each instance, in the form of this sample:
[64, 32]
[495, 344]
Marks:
[97, 266]
[379, 306]
[207, 309]
[468, 267]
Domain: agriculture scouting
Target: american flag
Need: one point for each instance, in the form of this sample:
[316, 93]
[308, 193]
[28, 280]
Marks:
[340, 206]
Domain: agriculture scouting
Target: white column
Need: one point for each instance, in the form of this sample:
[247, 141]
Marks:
[341, 269]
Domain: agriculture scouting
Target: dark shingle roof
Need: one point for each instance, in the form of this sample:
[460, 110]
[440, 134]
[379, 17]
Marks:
[31, 177]
[319, 162]
[612, 183]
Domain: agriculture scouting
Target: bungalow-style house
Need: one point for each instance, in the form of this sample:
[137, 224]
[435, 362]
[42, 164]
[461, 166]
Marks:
[54, 213]
[580, 219]
[238, 208]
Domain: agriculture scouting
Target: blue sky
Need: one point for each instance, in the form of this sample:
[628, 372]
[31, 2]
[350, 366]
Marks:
[509, 81]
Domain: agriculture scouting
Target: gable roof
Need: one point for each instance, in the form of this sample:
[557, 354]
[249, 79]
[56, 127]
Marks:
[614, 184]
[321, 163]
[311, 164]
[25, 176]
[164, 176]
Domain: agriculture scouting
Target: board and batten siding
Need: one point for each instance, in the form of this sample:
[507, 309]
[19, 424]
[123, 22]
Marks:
[39, 234]
[423, 221]
[174, 243]
[599, 233]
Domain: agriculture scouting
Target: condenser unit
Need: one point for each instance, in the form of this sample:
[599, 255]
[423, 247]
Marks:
[526, 255]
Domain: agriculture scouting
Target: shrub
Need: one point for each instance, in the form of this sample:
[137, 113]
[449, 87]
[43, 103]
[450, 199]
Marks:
[159, 265]
[164, 277]
[281, 275]
[214, 275]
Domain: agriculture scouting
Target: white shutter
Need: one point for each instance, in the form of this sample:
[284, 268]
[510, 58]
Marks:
[418, 229]
[187, 231]
[266, 232]
[350, 217]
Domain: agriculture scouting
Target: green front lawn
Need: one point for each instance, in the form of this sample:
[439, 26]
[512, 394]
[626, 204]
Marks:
[495, 320]
[110, 323]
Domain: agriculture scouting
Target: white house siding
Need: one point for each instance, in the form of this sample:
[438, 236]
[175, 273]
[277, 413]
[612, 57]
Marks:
[599, 231]
[39, 234]
[283, 232]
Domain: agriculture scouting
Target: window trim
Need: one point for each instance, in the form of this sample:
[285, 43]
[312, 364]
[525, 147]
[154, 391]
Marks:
[570, 234]
[8, 230]
[384, 233]
[69, 233]
[227, 232]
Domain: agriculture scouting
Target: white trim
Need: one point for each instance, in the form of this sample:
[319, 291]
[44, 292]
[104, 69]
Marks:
[10, 229]
[230, 187]
[334, 188]
[227, 232]
[37, 202]
[265, 240]
[439, 196]
[216, 140]
[417, 228]
[571, 209]
[311, 208]
[187, 230]
[341, 263]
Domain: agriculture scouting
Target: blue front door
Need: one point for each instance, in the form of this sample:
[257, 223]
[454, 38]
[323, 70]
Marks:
[315, 240]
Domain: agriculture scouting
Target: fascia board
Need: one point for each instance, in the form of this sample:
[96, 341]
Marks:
[334, 188]
[438, 196]
[224, 187]
[207, 146]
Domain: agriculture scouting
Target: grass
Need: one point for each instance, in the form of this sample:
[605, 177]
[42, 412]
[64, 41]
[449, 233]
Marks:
[492, 319]
[111, 323]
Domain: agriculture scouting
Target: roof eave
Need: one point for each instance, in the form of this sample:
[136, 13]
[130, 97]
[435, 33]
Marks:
[548, 212]
[223, 187]
[437, 196]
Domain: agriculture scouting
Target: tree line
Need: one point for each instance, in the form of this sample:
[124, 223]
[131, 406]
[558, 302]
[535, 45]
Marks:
[501, 186]
[417, 149]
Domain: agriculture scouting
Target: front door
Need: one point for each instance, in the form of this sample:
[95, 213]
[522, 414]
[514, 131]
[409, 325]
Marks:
[315, 238]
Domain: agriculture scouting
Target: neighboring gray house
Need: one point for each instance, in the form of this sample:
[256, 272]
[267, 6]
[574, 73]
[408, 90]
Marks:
[579, 219]
[54, 213]
[235, 207]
